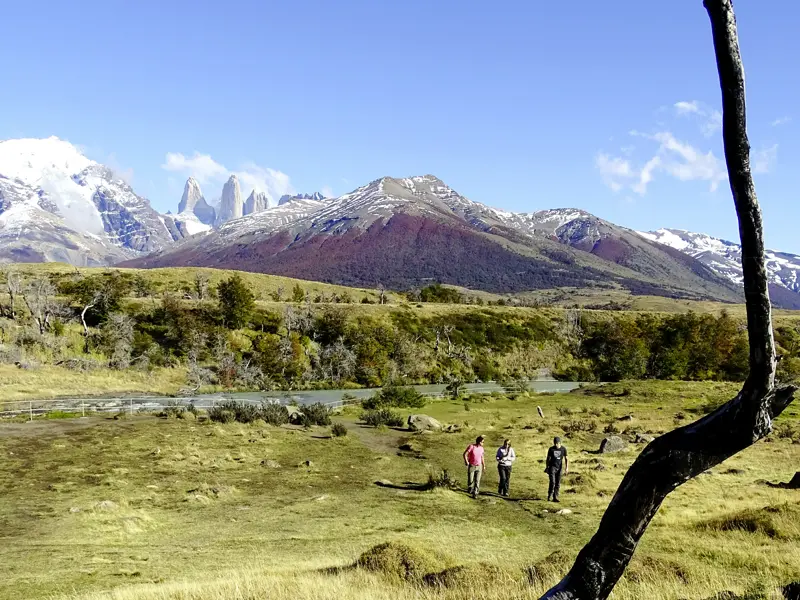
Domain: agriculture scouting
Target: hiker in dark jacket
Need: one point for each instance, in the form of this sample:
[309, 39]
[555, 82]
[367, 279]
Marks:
[557, 462]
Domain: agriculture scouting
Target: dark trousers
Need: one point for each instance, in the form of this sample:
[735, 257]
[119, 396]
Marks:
[505, 479]
[555, 483]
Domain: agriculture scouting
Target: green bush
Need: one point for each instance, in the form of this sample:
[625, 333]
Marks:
[315, 414]
[274, 414]
[396, 397]
[221, 415]
[245, 412]
[338, 430]
[382, 416]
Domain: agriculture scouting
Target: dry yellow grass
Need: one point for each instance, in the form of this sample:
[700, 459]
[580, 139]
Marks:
[154, 509]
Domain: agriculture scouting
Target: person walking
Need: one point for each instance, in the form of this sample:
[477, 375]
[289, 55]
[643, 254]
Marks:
[557, 462]
[473, 459]
[505, 458]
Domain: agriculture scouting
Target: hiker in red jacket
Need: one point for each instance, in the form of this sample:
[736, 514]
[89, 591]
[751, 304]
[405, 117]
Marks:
[473, 459]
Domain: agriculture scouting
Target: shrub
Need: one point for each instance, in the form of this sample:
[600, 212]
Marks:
[338, 430]
[172, 411]
[245, 412]
[394, 396]
[315, 414]
[221, 415]
[563, 411]
[274, 414]
[382, 416]
[580, 426]
[442, 479]
[611, 428]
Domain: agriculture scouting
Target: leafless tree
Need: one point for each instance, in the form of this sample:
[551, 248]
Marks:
[682, 454]
[337, 361]
[94, 300]
[201, 285]
[118, 339]
[40, 299]
[14, 289]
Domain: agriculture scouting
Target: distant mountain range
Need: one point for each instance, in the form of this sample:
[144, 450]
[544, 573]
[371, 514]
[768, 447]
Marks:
[57, 205]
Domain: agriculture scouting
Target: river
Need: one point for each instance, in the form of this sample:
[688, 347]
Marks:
[330, 398]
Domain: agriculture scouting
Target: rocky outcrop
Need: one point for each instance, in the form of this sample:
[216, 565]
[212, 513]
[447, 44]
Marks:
[194, 202]
[289, 198]
[231, 206]
[129, 220]
[256, 202]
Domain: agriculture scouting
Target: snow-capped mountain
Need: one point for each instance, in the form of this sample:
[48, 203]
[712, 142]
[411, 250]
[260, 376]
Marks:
[193, 210]
[58, 205]
[725, 258]
[402, 232]
[288, 198]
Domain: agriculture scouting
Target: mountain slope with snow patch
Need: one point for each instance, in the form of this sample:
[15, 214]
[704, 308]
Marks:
[56, 204]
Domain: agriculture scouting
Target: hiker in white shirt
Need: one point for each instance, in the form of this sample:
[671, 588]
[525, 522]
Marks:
[505, 458]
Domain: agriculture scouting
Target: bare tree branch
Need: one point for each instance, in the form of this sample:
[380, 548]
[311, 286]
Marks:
[680, 455]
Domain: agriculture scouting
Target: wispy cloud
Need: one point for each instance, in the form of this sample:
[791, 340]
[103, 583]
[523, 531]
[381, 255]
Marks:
[206, 170]
[327, 191]
[781, 121]
[684, 107]
[672, 157]
[126, 174]
[710, 119]
[763, 161]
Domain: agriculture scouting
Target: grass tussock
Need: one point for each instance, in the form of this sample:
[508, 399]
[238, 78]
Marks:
[400, 561]
[474, 576]
[780, 522]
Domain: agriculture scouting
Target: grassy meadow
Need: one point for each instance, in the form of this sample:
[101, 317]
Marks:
[149, 508]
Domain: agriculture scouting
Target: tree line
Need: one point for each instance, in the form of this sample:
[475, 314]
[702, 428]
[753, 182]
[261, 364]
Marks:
[223, 337]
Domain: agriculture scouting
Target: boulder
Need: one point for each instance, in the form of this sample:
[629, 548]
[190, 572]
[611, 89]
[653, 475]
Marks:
[452, 429]
[643, 438]
[272, 464]
[626, 418]
[423, 423]
[564, 511]
[612, 443]
[296, 418]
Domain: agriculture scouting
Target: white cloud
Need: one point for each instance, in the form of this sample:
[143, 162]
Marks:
[206, 170]
[711, 120]
[646, 175]
[200, 166]
[327, 191]
[673, 157]
[274, 183]
[764, 160]
[614, 170]
[687, 107]
[781, 121]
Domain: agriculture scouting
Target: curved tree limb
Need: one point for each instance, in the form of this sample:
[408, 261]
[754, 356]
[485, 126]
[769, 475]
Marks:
[682, 454]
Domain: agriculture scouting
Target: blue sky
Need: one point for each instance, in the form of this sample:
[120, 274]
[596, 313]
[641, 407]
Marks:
[606, 106]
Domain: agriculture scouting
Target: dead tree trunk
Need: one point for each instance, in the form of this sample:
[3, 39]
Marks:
[678, 456]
